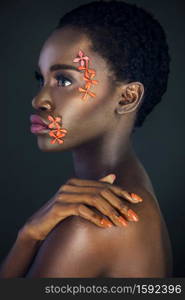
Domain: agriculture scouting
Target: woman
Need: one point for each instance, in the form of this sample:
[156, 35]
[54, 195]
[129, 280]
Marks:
[112, 62]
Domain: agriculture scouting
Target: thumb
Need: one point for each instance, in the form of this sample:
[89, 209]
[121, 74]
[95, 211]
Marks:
[108, 178]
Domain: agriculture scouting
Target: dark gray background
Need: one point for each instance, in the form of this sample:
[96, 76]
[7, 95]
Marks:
[30, 177]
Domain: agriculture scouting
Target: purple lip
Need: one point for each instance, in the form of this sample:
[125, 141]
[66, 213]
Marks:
[38, 128]
[35, 119]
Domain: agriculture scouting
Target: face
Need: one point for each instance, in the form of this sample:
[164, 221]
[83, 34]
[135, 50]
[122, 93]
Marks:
[82, 118]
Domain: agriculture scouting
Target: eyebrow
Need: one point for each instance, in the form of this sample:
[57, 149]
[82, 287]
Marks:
[57, 67]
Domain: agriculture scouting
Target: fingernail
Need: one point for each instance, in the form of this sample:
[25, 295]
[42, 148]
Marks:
[113, 176]
[136, 197]
[106, 222]
[133, 215]
[125, 193]
[122, 221]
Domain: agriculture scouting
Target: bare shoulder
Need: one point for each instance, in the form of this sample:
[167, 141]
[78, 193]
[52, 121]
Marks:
[74, 248]
[143, 248]
[79, 248]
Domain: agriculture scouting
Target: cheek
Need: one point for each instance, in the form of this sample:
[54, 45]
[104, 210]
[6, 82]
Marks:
[84, 119]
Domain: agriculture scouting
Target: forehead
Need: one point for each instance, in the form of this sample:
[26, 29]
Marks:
[63, 46]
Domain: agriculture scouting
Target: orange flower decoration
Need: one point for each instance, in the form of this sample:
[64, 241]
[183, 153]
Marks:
[54, 122]
[90, 81]
[83, 60]
[88, 72]
[88, 75]
[58, 132]
[86, 92]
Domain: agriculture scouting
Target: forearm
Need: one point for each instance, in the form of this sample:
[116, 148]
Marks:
[20, 256]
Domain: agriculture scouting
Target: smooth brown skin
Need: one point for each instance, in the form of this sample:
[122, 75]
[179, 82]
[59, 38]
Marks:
[66, 202]
[99, 135]
[73, 198]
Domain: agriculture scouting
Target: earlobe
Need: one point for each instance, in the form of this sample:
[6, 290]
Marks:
[131, 97]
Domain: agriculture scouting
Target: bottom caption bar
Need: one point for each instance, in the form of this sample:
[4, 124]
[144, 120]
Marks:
[53, 288]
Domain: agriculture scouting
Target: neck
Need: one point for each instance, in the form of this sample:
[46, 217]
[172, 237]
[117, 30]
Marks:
[102, 156]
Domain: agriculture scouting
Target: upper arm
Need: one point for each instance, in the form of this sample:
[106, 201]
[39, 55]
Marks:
[70, 250]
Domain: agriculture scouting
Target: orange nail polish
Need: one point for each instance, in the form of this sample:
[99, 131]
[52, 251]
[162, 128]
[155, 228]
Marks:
[133, 215]
[136, 197]
[106, 222]
[122, 221]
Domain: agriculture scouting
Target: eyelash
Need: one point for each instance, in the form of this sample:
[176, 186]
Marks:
[58, 77]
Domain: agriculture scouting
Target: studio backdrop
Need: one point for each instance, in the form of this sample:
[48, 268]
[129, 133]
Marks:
[30, 177]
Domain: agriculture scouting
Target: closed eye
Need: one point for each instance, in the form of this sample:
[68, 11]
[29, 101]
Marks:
[60, 78]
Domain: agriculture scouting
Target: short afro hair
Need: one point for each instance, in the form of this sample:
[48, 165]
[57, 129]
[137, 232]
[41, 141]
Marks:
[131, 41]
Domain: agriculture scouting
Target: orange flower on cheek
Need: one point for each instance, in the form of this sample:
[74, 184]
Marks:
[88, 72]
[90, 81]
[86, 92]
[88, 75]
[57, 133]
[54, 122]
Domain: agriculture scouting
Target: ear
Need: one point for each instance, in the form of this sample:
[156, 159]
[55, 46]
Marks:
[131, 96]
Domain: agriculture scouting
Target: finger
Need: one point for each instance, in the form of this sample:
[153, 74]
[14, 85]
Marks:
[89, 194]
[131, 197]
[119, 205]
[79, 209]
[97, 201]
[84, 182]
[109, 178]
[80, 189]
[107, 210]
[107, 194]
[90, 215]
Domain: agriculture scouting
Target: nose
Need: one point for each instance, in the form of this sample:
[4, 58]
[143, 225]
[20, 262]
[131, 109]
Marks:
[41, 105]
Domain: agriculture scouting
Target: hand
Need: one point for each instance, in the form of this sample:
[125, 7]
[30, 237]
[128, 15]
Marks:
[70, 199]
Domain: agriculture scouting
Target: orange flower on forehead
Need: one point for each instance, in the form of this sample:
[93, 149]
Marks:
[57, 133]
[88, 74]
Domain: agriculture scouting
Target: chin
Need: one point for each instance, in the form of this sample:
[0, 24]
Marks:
[45, 145]
[70, 143]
